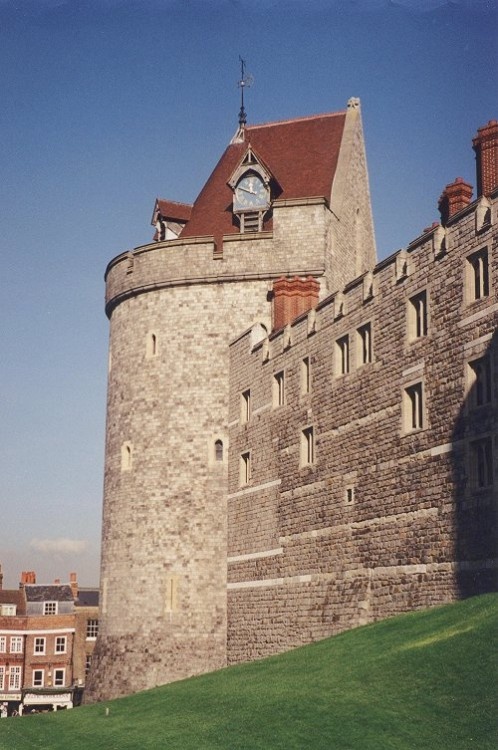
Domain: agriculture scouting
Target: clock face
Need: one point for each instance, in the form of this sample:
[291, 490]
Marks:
[251, 193]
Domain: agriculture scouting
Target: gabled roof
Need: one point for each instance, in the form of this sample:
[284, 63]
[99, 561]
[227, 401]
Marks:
[301, 154]
[13, 596]
[172, 210]
[49, 593]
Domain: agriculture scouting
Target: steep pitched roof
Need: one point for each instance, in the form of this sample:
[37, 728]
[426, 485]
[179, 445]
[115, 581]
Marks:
[49, 593]
[13, 596]
[301, 154]
[173, 210]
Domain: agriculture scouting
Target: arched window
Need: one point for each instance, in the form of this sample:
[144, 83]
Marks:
[151, 345]
[126, 456]
[218, 450]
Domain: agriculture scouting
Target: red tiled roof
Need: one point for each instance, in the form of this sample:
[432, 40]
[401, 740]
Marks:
[173, 210]
[301, 154]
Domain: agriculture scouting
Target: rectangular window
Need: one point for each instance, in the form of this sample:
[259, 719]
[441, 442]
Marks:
[38, 677]
[480, 381]
[307, 446]
[365, 344]
[60, 644]
[16, 644]
[414, 407]
[3, 644]
[342, 351]
[279, 389]
[482, 463]
[59, 677]
[2, 678]
[88, 663]
[478, 275]
[417, 316]
[39, 646]
[305, 375]
[15, 678]
[92, 629]
[245, 468]
[8, 610]
[349, 495]
[245, 406]
[50, 608]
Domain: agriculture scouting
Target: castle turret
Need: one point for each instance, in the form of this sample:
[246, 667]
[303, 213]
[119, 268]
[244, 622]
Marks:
[290, 199]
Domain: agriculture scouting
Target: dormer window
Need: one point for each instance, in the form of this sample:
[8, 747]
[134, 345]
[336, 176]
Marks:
[8, 610]
[50, 608]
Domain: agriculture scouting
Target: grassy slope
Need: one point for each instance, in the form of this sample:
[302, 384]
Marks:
[424, 681]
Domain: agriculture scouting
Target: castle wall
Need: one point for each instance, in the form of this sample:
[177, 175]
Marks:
[386, 517]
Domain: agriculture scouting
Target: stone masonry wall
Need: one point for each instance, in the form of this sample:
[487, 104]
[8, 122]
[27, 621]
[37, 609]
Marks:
[386, 518]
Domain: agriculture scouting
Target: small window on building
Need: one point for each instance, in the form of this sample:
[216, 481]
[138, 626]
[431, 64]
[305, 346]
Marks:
[478, 275]
[8, 610]
[365, 344]
[59, 677]
[16, 644]
[170, 604]
[307, 446]
[349, 495]
[480, 381]
[92, 629]
[3, 644]
[245, 468]
[88, 663]
[50, 608]
[60, 644]
[151, 345]
[305, 375]
[279, 388]
[482, 463]
[126, 456]
[218, 450]
[15, 678]
[38, 677]
[245, 406]
[2, 678]
[417, 316]
[39, 646]
[414, 407]
[342, 355]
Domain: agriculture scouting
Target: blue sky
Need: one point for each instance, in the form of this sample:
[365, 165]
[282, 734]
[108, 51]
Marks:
[106, 105]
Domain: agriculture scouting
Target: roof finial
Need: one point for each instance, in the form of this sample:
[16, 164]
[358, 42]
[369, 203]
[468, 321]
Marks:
[246, 79]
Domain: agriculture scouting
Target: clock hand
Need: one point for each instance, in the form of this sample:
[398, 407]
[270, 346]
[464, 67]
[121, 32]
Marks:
[246, 190]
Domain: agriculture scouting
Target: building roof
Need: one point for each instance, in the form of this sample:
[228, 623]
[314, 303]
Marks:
[87, 598]
[13, 596]
[48, 593]
[301, 155]
[173, 210]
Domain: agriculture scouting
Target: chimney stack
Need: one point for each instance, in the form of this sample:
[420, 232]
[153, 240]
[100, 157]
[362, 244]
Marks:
[28, 576]
[454, 197]
[292, 297]
[1, 578]
[485, 145]
[73, 582]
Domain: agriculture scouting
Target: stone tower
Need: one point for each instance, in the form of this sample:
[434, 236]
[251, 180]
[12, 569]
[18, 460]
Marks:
[286, 199]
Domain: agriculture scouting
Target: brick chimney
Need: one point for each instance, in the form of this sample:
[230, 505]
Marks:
[1, 578]
[292, 297]
[28, 576]
[73, 582]
[454, 197]
[485, 144]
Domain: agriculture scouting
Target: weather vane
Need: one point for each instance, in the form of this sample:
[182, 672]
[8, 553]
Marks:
[246, 79]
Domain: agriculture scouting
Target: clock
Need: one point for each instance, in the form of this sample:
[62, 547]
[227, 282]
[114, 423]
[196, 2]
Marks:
[251, 193]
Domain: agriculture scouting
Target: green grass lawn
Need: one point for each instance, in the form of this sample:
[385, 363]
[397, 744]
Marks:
[423, 681]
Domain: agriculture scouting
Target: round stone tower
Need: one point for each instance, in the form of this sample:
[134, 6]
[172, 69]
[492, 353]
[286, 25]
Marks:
[173, 306]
